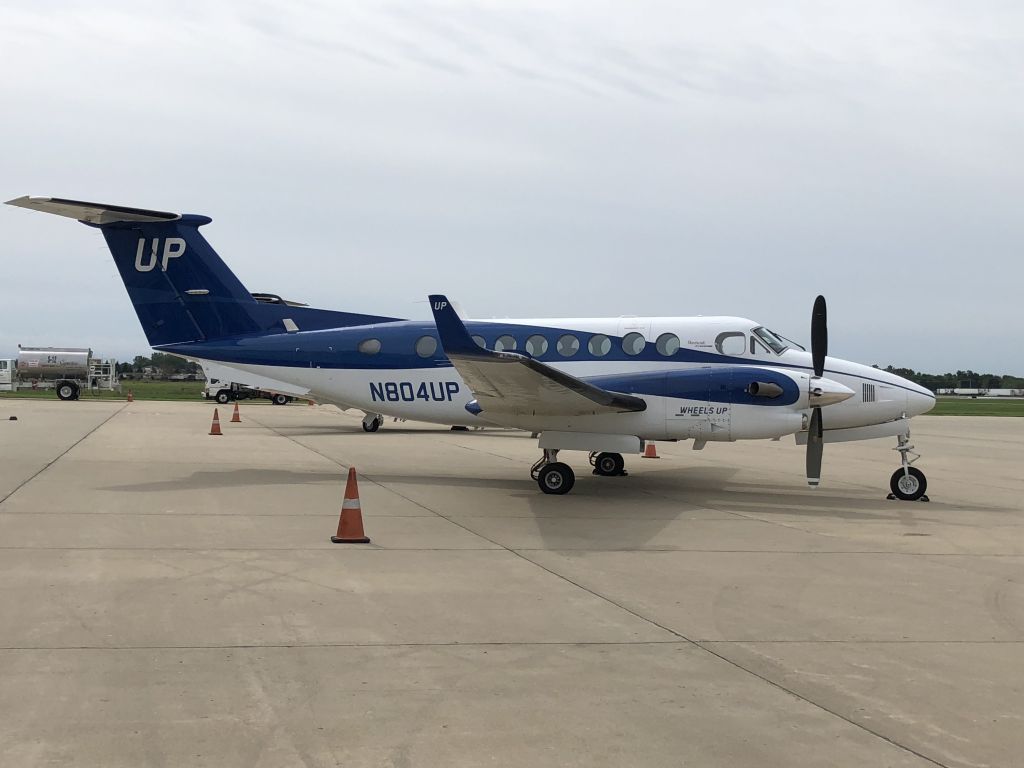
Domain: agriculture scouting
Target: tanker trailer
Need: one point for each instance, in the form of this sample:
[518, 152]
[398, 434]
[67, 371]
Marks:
[65, 369]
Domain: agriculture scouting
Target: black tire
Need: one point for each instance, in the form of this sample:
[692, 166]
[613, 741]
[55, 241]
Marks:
[556, 478]
[374, 425]
[67, 390]
[908, 488]
[280, 399]
[609, 464]
[223, 397]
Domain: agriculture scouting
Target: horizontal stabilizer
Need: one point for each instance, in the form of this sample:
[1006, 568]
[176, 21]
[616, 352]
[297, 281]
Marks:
[90, 213]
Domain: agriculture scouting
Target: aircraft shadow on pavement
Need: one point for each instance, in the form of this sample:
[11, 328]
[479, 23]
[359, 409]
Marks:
[234, 478]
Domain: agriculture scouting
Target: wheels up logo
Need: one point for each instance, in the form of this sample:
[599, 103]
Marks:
[173, 247]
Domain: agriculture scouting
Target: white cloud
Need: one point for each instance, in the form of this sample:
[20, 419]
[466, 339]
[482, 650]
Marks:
[536, 159]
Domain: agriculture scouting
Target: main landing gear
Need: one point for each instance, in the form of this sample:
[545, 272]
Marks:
[907, 483]
[608, 464]
[372, 422]
[553, 476]
[556, 477]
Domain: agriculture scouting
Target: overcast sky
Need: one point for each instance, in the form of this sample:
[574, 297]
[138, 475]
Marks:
[536, 159]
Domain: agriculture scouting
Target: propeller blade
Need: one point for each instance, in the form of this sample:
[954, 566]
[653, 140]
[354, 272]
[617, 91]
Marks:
[819, 335]
[815, 444]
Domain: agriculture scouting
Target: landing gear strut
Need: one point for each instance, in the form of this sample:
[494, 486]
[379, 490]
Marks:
[372, 422]
[907, 483]
[608, 464]
[552, 476]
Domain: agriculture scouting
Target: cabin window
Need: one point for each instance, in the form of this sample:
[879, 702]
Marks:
[369, 346]
[426, 346]
[599, 345]
[480, 341]
[568, 345]
[633, 343]
[536, 345]
[731, 343]
[667, 344]
[504, 344]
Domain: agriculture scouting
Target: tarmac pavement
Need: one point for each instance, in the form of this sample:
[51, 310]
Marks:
[172, 598]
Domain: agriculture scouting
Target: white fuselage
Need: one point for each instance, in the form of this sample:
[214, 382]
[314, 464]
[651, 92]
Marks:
[432, 391]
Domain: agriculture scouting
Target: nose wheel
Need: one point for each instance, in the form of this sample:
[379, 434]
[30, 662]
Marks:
[372, 422]
[907, 483]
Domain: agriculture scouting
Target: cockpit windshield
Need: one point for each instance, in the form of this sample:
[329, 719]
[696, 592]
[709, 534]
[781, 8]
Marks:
[774, 342]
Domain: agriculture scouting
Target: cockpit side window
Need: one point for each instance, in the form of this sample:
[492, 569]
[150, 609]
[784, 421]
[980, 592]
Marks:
[756, 345]
[777, 345]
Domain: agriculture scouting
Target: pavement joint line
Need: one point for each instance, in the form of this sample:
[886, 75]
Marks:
[705, 648]
[63, 453]
[496, 547]
[443, 644]
[496, 643]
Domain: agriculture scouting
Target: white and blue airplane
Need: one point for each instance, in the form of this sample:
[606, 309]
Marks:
[602, 385]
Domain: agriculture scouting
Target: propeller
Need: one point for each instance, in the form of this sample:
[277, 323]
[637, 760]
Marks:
[816, 430]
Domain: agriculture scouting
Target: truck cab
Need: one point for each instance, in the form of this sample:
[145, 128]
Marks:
[226, 391]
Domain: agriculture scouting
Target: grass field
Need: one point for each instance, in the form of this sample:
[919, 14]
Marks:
[143, 390]
[981, 406]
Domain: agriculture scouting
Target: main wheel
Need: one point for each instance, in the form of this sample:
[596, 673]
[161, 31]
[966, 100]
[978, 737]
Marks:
[556, 478]
[909, 485]
[67, 390]
[374, 424]
[279, 399]
[609, 464]
[223, 397]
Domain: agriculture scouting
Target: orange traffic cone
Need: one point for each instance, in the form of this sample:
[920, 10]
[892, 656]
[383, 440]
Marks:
[311, 403]
[650, 452]
[350, 524]
[131, 397]
[235, 417]
[215, 426]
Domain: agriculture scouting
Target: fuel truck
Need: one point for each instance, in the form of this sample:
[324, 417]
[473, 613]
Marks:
[67, 370]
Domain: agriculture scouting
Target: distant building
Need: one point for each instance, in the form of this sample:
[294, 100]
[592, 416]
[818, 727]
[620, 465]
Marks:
[981, 392]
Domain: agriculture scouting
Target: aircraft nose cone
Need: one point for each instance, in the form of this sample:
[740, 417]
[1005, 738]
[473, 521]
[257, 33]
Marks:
[919, 400]
[827, 392]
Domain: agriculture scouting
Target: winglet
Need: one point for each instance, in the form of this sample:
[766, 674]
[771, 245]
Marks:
[454, 337]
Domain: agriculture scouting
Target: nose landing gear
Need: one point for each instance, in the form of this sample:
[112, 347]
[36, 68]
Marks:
[907, 483]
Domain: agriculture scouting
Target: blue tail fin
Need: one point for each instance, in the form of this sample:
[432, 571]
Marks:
[181, 289]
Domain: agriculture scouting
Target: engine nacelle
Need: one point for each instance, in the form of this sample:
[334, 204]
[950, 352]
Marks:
[761, 422]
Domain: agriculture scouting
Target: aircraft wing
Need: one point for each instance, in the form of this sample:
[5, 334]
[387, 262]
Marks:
[514, 383]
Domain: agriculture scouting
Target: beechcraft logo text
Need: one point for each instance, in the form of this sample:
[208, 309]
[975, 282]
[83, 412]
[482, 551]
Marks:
[148, 254]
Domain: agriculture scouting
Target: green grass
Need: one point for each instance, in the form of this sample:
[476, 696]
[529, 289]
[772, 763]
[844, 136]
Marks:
[980, 406]
[143, 390]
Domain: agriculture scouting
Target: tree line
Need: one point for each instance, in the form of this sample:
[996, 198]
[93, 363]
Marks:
[960, 379]
[160, 364]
